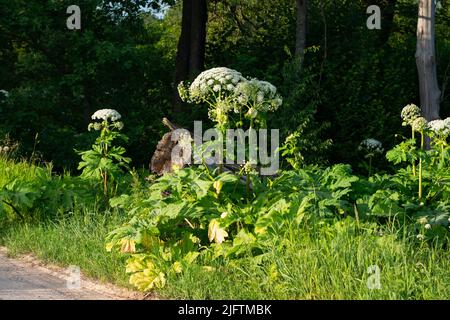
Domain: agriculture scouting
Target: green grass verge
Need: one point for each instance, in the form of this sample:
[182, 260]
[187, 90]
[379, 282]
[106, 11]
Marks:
[77, 240]
[328, 263]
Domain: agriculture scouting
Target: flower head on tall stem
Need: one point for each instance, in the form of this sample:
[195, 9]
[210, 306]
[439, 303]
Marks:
[410, 113]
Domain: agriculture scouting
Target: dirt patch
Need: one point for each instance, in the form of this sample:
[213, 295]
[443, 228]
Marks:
[26, 277]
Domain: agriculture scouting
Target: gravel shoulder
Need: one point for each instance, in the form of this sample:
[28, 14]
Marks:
[27, 278]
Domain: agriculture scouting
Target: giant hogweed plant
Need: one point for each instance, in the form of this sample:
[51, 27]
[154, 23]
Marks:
[191, 213]
[233, 102]
[195, 213]
[428, 173]
[433, 163]
[371, 148]
[105, 161]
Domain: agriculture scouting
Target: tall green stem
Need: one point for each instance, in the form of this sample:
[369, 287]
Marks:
[105, 173]
[413, 162]
[222, 132]
[247, 185]
[248, 179]
[420, 166]
[105, 184]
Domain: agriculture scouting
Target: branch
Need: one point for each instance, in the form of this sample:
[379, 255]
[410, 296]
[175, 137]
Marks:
[14, 209]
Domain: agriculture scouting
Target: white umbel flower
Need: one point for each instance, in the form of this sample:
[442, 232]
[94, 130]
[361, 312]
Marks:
[106, 114]
[419, 124]
[261, 95]
[210, 84]
[410, 113]
[439, 127]
[371, 145]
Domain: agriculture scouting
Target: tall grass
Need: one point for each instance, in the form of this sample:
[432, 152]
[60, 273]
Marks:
[79, 240]
[330, 263]
[76, 237]
[10, 170]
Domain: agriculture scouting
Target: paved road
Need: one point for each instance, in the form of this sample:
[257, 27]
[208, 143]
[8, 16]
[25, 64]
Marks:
[20, 281]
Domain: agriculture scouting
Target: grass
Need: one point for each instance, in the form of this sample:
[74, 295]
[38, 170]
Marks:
[329, 263]
[10, 170]
[318, 260]
[77, 240]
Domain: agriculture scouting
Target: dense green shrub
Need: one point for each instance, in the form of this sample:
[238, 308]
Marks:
[195, 212]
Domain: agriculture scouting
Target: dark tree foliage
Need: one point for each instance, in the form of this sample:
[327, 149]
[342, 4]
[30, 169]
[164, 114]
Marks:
[59, 77]
[356, 80]
[352, 86]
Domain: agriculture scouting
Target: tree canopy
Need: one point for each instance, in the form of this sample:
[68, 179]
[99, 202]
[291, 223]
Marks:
[351, 86]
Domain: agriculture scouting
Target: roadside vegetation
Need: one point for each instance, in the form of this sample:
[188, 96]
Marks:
[203, 233]
[352, 201]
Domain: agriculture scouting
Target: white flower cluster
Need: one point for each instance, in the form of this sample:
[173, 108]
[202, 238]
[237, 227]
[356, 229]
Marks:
[227, 90]
[5, 93]
[419, 124]
[106, 114]
[210, 84]
[371, 145]
[440, 127]
[410, 113]
[258, 96]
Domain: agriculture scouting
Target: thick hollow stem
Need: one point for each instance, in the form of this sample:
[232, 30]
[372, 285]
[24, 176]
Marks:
[420, 166]
[105, 184]
[413, 162]
[247, 185]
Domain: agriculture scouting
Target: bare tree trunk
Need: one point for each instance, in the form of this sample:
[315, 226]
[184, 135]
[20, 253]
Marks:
[426, 60]
[198, 37]
[300, 40]
[191, 45]
[183, 52]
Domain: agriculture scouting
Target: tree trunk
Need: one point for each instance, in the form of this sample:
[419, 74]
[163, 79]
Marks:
[198, 37]
[191, 45]
[300, 40]
[183, 52]
[426, 60]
